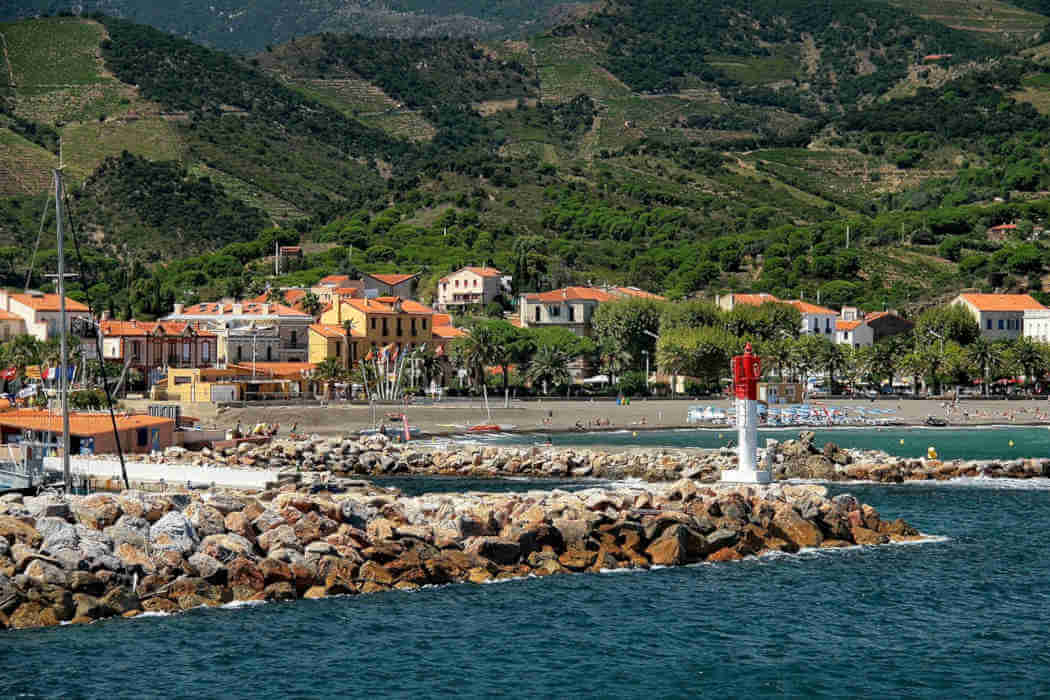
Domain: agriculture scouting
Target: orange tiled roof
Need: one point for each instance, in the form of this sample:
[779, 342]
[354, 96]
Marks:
[442, 319]
[756, 299]
[407, 305]
[335, 280]
[276, 369]
[133, 328]
[347, 291]
[847, 325]
[8, 316]
[1002, 302]
[1003, 227]
[46, 302]
[640, 293]
[807, 308]
[250, 308]
[479, 271]
[448, 332]
[79, 423]
[331, 330]
[570, 294]
[393, 279]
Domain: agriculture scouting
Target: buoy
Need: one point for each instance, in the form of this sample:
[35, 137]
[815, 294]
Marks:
[635, 434]
[1011, 443]
[902, 441]
[720, 436]
[931, 452]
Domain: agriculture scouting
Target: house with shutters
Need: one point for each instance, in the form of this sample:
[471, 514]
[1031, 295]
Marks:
[249, 331]
[152, 347]
[392, 285]
[999, 316]
[470, 286]
[39, 312]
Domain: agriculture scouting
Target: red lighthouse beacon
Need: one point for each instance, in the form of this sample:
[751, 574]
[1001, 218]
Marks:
[747, 369]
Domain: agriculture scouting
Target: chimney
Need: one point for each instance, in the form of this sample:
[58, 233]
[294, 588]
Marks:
[849, 313]
[266, 308]
[238, 308]
[179, 308]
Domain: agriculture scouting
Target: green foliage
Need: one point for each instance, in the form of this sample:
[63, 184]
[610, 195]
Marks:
[953, 323]
[626, 325]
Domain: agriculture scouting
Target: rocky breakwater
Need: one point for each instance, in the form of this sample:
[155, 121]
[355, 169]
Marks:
[376, 455]
[106, 555]
[801, 459]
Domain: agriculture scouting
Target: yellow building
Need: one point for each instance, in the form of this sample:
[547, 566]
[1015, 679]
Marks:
[238, 382]
[377, 323]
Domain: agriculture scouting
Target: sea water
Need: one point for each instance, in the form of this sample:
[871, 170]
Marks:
[950, 443]
[964, 615]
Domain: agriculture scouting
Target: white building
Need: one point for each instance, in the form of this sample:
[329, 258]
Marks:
[1000, 316]
[251, 330]
[470, 286]
[40, 312]
[818, 320]
[1037, 325]
[852, 329]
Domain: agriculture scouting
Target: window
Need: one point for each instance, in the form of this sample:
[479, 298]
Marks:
[206, 352]
[412, 327]
[457, 283]
[240, 353]
[537, 314]
[142, 437]
[135, 349]
[827, 325]
[183, 380]
[373, 324]
[295, 339]
[554, 311]
[475, 283]
[424, 323]
[269, 353]
[1000, 324]
[989, 324]
[386, 329]
[338, 349]
[399, 329]
[186, 352]
[572, 313]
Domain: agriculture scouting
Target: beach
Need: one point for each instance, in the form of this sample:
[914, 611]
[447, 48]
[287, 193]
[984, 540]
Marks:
[455, 415]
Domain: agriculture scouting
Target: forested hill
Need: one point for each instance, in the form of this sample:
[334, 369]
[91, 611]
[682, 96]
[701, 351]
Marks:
[643, 142]
[248, 26]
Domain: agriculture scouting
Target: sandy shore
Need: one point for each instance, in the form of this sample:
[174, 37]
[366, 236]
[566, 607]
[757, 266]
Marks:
[338, 418]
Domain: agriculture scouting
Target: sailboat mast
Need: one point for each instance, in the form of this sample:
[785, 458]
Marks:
[63, 377]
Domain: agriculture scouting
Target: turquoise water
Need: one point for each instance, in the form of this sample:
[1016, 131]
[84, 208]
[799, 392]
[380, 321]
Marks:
[962, 617]
[951, 443]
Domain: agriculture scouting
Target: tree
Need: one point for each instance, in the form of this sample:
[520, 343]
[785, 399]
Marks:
[476, 351]
[985, 356]
[311, 304]
[912, 364]
[328, 371]
[946, 323]
[833, 361]
[779, 352]
[22, 351]
[807, 353]
[276, 296]
[624, 326]
[509, 345]
[1025, 357]
[957, 365]
[348, 333]
[549, 367]
[700, 352]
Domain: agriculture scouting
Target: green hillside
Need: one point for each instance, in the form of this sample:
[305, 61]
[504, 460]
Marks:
[647, 143]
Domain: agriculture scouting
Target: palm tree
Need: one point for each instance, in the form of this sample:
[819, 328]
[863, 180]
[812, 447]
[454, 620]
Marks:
[834, 361]
[986, 356]
[22, 351]
[549, 367]
[616, 362]
[276, 296]
[1027, 357]
[429, 364]
[348, 328]
[328, 371]
[311, 304]
[476, 351]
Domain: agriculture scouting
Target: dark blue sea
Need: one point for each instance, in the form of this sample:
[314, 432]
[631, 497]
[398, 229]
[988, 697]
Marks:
[963, 616]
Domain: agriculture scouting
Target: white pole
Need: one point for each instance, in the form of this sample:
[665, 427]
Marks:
[63, 381]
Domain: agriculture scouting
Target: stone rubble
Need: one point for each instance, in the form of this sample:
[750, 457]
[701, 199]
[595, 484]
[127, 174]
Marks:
[90, 557]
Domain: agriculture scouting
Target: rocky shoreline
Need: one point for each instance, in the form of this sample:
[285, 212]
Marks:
[80, 559]
[320, 458]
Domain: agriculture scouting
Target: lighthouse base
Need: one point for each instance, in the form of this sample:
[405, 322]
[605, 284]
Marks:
[746, 476]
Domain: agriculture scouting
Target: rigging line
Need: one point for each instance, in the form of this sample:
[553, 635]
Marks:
[84, 280]
[40, 233]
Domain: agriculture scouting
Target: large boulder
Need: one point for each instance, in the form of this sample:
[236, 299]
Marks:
[97, 511]
[226, 547]
[206, 519]
[14, 530]
[281, 536]
[207, 567]
[43, 572]
[47, 507]
[791, 526]
[133, 530]
[96, 549]
[173, 532]
[58, 534]
[496, 549]
[677, 545]
[33, 614]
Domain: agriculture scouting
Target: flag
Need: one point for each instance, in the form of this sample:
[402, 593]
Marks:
[50, 373]
[404, 419]
[9, 373]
